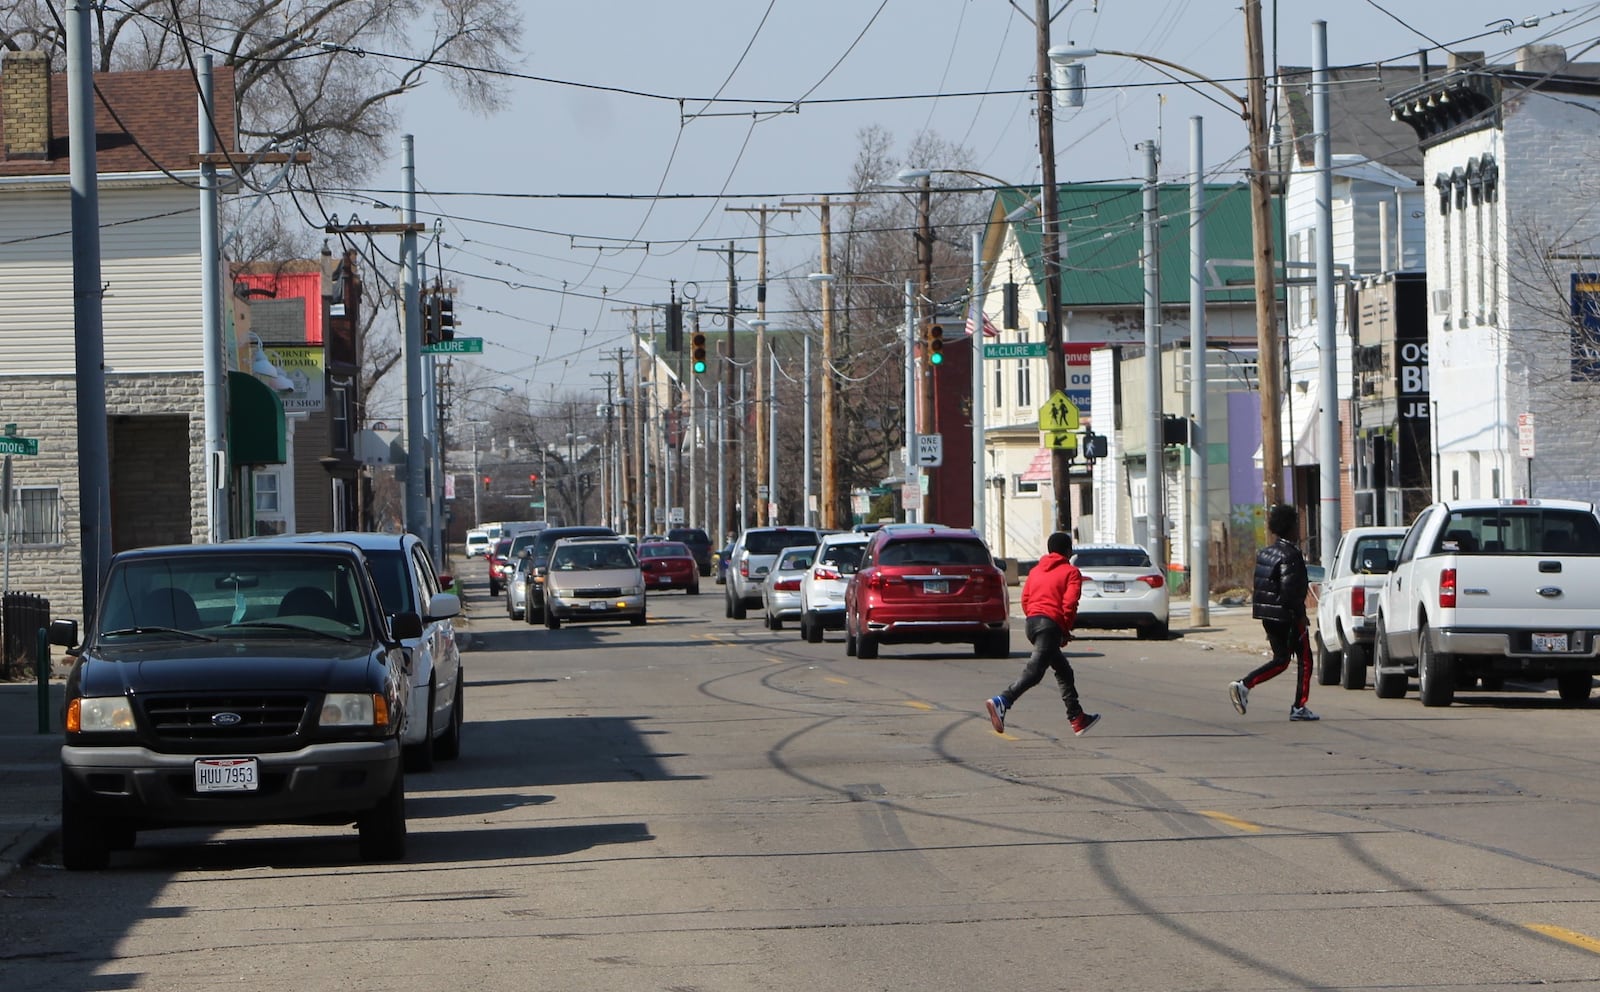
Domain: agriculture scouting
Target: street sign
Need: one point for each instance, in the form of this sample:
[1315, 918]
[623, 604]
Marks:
[676, 515]
[911, 497]
[460, 346]
[1525, 434]
[1025, 349]
[537, 504]
[1065, 440]
[878, 491]
[762, 491]
[10, 445]
[930, 450]
[1058, 414]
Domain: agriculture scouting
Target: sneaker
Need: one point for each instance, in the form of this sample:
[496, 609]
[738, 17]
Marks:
[1240, 694]
[1083, 721]
[1302, 713]
[997, 713]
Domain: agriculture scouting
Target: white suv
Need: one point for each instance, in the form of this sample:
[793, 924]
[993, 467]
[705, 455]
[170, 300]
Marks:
[1347, 603]
[752, 556]
[822, 586]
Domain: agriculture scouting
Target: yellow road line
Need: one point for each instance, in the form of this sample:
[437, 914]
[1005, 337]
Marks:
[836, 681]
[1232, 821]
[1564, 935]
[918, 705]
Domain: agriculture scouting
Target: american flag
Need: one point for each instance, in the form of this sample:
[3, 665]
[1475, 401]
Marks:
[989, 330]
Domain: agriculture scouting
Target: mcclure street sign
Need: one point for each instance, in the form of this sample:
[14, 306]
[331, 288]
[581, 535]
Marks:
[460, 346]
[1025, 349]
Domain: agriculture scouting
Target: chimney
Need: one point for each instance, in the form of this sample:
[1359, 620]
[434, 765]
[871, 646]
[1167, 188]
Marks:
[1541, 58]
[1461, 61]
[26, 104]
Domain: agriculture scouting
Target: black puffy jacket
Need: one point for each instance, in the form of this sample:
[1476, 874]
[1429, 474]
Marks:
[1281, 583]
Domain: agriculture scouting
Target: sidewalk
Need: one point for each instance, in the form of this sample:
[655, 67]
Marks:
[30, 772]
[30, 776]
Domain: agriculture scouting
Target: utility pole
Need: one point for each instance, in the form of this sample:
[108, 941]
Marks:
[764, 388]
[1049, 230]
[636, 493]
[1155, 452]
[1269, 360]
[88, 323]
[1199, 503]
[1329, 517]
[830, 392]
[925, 396]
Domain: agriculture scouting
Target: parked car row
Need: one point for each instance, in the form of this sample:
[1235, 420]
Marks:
[590, 574]
[275, 680]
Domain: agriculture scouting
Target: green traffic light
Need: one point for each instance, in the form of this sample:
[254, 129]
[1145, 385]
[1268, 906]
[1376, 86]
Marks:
[699, 367]
[936, 358]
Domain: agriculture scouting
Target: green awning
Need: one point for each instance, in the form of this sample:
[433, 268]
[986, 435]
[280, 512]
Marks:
[255, 422]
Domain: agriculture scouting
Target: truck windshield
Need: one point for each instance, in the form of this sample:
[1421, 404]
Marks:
[1529, 530]
[213, 592]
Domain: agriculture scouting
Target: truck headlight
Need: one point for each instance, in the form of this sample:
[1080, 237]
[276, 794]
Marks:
[99, 715]
[354, 709]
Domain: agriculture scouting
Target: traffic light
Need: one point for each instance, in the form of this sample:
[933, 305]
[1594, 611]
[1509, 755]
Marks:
[486, 482]
[697, 351]
[674, 326]
[445, 318]
[430, 319]
[935, 344]
[533, 478]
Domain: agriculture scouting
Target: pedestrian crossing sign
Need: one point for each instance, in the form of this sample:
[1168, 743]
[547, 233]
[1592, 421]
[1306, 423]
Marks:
[1058, 414]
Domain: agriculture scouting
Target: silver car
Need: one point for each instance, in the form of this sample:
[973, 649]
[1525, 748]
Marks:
[593, 579]
[517, 588]
[780, 593]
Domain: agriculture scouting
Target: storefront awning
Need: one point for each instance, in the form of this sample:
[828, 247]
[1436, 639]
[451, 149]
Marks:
[1038, 470]
[1300, 446]
[256, 434]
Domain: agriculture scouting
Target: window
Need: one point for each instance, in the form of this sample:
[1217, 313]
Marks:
[37, 519]
[266, 484]
[999, 384]
[340, 427]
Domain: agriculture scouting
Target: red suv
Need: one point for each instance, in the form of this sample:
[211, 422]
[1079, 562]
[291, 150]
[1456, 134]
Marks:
[498, 559]
[927, 585]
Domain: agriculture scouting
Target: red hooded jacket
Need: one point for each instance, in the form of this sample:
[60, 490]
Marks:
[1052, 589]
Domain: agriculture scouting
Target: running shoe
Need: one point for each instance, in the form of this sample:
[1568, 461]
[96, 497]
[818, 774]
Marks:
[1240, 694]
[1083, 721]
[997, 713]
[1302, 713]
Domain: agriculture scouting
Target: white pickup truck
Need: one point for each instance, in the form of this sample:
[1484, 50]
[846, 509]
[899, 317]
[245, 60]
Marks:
[1486, 590]
[1347, 603]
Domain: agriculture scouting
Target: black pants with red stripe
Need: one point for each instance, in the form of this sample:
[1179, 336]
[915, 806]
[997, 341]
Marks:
[1047, 639]
[1285, 638]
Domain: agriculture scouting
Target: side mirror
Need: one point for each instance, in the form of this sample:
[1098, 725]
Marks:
[405, 626]
[443, 605]
[64, 633]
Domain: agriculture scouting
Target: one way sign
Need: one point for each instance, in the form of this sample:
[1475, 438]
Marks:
[930, 450]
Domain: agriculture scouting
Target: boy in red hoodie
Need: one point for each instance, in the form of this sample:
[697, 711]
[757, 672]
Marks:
[1050, 604]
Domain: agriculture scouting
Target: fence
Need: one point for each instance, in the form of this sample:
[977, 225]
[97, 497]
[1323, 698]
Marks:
[21, 616]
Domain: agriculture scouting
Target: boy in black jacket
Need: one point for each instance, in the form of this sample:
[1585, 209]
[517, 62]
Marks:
[1280, 604]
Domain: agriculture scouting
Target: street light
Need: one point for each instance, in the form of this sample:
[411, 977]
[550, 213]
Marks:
[1252, 111]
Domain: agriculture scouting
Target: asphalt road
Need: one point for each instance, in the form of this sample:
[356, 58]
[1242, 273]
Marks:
[701, 805]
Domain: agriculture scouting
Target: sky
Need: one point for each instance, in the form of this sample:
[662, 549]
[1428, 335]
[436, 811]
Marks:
[550, 213]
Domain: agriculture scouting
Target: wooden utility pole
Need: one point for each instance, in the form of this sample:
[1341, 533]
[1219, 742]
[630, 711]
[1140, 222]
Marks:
[633, 474]
[1050, 238]
[831, 497]
[764, 389]
[928, 422]
[1269, 361]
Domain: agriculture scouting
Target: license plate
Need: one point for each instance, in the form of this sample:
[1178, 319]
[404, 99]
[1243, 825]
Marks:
[1554, 643]
[1113, 587]
[937, 586]
[598, 604]
[225, 775]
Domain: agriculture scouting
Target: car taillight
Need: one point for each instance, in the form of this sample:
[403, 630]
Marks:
[1447, 589]
[1358, 600]
[744, 569]
[1153, 581]
[882, 580]
[823, 572]
[787, 585]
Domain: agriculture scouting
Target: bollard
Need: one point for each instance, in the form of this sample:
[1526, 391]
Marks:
[41, 668]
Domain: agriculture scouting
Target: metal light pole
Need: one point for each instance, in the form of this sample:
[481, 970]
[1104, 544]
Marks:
[805, 509]
[772, 436]
[912, 472]
[1199, 504]
[1327, 339]
[980, 516]
[1155, 449]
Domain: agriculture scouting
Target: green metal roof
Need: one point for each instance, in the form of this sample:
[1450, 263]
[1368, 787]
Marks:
[1102, 227]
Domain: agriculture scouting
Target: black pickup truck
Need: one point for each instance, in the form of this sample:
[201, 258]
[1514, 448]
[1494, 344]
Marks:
[234, 684]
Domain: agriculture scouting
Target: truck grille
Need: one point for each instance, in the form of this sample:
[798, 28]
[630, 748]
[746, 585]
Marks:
[190, 718]
[597, 592]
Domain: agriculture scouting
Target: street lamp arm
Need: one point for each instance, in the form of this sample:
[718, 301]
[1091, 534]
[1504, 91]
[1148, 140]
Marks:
[1244, 107]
